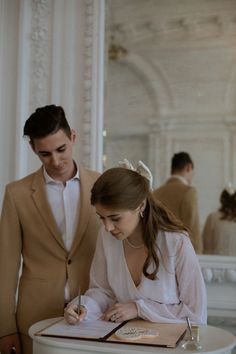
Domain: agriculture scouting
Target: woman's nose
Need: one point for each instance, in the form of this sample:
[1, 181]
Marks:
[108, 225]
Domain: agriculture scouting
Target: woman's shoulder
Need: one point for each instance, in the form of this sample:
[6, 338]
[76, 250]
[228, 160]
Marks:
[173, 235]
[173, 240]
[215, 214]
[213, 217]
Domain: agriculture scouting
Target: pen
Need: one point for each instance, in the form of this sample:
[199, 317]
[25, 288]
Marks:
[79, 301]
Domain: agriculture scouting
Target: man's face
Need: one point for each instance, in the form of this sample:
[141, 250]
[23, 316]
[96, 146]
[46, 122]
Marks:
[189, 173]
[55, 152]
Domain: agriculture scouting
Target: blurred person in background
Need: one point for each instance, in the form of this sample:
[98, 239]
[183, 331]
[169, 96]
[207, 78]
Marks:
[181, 197]
[219, 233]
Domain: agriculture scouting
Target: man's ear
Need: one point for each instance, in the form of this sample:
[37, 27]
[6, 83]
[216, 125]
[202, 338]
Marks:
[189, 167]
[73, 136]
[32, 146]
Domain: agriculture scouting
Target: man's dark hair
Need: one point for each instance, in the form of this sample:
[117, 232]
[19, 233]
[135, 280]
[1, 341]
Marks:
[45, 121]
[180, 160]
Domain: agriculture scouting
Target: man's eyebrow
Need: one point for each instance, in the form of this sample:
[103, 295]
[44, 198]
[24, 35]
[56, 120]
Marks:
[48, 152]
[62, 146]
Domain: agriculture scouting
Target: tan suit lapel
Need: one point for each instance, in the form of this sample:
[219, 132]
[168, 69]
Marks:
[40, 199]
[86, 183]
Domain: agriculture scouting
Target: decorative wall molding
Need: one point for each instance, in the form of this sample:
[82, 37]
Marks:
[40, 44]
[219, 321]
[230, 123]
[182, 27]
[93, 84]
[219, 275]
[134, 148]
[207, 123]
[173, 123]
[146, 72]
[88, 43]
[218, 269]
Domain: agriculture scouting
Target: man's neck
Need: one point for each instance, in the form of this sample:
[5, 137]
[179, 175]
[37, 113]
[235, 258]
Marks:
[181, 178]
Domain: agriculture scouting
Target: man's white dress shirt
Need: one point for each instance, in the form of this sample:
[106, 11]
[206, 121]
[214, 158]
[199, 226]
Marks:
[64, 199]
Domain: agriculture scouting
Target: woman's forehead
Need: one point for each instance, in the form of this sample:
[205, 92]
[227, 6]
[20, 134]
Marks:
[109, 211]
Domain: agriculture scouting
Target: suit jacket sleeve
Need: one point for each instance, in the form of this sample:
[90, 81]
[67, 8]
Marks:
[190, 217]
[10, 256]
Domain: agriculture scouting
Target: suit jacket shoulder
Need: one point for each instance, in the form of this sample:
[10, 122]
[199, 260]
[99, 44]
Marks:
[87, 174]
[181, 199]
[25, 181]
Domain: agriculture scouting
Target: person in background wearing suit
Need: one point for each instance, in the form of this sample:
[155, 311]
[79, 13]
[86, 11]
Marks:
[219, 233]
[48, 225]
[181, 198]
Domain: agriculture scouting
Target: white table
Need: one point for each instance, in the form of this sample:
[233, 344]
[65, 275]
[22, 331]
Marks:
[213, 340]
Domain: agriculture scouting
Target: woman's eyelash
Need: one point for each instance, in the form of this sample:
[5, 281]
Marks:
[102, 218]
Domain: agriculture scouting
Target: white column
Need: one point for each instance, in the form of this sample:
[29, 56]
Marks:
[23, 88]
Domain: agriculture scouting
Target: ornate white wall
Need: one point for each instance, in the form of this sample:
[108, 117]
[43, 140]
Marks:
[174, 89]
[47, 55]
[9, 23]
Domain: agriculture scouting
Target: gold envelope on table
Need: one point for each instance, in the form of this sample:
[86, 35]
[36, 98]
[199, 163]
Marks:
[168, 334]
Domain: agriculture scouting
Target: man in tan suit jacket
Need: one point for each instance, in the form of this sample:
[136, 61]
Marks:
[181, 198]
[47, 222]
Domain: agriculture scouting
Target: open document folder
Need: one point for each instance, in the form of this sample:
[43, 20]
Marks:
[165, 334]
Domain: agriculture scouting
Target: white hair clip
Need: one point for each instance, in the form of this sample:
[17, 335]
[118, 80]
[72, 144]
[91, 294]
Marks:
[126, 164]
[229, 188]
[142, 169]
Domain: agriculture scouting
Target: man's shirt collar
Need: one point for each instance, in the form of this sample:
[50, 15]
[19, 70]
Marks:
[49, 179]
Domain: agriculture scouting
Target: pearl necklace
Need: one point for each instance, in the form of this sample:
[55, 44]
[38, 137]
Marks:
[133, 246]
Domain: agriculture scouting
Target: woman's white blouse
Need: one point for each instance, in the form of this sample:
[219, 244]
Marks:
[178, 291]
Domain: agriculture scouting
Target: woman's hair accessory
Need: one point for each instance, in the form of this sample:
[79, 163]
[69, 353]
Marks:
[141, 168]
[230, 189]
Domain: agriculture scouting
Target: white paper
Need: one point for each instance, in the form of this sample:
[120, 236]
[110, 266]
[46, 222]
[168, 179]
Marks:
[84, 329]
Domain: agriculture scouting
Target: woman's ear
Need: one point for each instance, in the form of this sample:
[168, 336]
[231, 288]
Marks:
[142, 206]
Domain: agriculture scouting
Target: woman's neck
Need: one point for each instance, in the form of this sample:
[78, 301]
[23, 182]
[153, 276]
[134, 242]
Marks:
[136, 238]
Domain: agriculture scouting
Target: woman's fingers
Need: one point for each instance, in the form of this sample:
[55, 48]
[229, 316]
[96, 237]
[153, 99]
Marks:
[71, 319]
[83, 312]
[120, 312]
[112, 314]
[71, 314]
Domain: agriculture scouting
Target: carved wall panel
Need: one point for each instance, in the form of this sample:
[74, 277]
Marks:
[40, 43]
[134, 148]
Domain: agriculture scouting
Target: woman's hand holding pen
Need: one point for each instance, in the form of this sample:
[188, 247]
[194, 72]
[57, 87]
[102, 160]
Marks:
[121, 312]
[73, 314]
